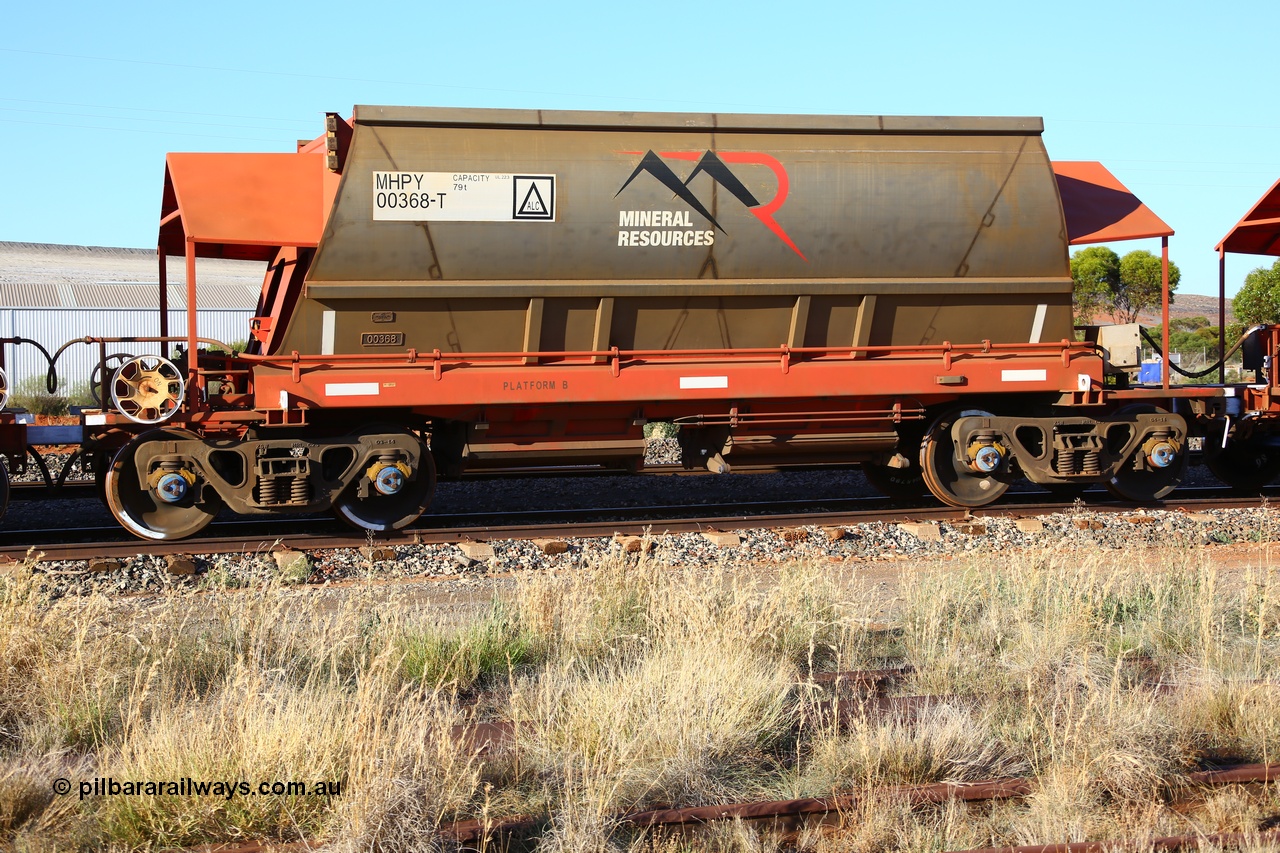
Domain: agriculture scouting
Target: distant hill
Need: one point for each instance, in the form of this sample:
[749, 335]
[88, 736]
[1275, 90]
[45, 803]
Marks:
[1188, 305]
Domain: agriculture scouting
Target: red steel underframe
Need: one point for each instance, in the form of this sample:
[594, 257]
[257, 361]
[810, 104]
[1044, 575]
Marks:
[669, 378]
[438, 382]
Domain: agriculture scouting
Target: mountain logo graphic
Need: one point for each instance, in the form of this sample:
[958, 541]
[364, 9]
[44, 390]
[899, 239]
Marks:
[715, 166]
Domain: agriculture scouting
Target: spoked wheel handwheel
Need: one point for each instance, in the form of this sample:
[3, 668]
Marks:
[4, 388]
[396, 494]
[1153, 470]
[106, 369]
[165, 505]
[1245, 466]
[148, 389]
[953, 479]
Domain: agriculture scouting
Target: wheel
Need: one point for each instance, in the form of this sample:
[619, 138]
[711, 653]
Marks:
[107, 366]
[1150, 482]
[4, 388]
[1244, 465]
[183, 512]
[396, 497]
[953, 480]
[897, 483]
[148, 389]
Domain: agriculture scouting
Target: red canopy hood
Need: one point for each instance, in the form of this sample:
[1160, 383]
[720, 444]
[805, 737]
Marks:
[1100, 209]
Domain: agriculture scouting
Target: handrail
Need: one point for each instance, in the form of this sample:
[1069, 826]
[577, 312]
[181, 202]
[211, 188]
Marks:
[947, 350]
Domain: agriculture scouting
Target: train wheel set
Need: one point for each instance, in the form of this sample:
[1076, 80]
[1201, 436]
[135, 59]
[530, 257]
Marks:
[448, 291]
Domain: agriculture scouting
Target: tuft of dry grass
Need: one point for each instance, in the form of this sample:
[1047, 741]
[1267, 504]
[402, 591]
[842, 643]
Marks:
[63, 674]
[679, 707]
[947, 743]
[684, 723]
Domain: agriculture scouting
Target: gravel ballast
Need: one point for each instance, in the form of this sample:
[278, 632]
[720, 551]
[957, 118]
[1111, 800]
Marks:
[878, 542]
[872, 543]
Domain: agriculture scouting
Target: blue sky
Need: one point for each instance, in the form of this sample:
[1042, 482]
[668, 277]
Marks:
[1171, 96]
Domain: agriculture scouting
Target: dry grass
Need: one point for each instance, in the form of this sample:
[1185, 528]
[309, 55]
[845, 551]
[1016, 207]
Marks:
[636, 685]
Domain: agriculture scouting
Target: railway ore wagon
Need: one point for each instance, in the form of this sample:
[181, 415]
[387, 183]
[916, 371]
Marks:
[449, 290]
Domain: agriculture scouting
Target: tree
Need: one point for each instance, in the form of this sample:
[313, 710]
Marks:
[1095, 273]
[1141, 285]
[1122, 287]
[1190, 336]
[1259, 299]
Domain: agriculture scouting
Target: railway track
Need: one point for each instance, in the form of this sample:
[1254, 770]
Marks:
[318, 533]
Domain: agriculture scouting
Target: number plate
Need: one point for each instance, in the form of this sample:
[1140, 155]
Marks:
[382, 339]
[463, 197]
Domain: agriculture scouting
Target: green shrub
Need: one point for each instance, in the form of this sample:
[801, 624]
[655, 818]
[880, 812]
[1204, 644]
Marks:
[660, 429]
[32, 394]
[493, 646]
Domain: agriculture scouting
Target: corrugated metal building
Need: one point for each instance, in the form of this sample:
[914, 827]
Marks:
[54, 294]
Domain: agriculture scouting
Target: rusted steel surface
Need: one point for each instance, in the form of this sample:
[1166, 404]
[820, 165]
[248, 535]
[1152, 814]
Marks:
[867, 679]
[484, 738]
[248, 847]
[905, 708]
[465, 831]
[1001, 789]
[1243, 774]
[474, 830]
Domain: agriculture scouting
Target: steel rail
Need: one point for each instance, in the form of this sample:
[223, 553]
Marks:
[915, 795]
[311, 533]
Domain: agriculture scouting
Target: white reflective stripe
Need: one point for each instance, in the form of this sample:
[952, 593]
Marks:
[1037, 326]
[95, 420]
[284, 401]
[1024, 375]
[1083, 382]
[326, 332]
[351, 389]
[696, 382]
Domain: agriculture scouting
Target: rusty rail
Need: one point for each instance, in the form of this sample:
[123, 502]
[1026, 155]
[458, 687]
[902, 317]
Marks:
[916, 795]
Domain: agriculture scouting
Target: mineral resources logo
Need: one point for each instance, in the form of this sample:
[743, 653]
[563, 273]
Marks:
[675, 228]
